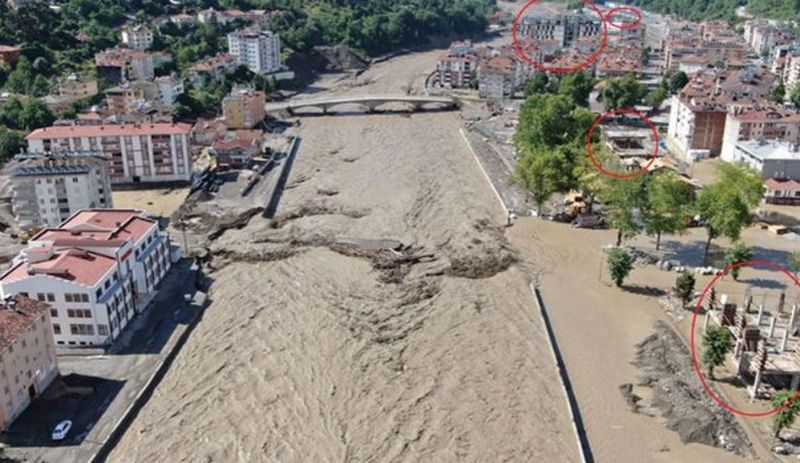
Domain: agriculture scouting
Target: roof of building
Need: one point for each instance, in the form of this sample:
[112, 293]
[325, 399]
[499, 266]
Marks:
[50, 170]
[110, 130]
[770, 149]
[17, 314]
[241, 139]
[9, 48]
[216, 61]
[75, 265]
[785, 185]
[119, 57]
[99, 227]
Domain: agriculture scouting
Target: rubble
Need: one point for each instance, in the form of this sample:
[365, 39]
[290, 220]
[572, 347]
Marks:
[666, 367]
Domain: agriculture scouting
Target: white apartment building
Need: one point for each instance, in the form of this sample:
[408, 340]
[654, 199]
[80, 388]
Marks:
[94, 271]
[258, 50]
[139, 153]
[773, 159]
[791, 72]
[27, 355]
[47, 188]
[138, 37]
[759, 124]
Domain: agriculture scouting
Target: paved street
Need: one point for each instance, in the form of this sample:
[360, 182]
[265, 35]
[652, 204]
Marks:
[96, 390]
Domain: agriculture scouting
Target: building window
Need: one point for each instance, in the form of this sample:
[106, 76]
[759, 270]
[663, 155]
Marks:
[102, 330]
[107, 284]
[56, 328]
[51, 297]
[70, 313]
[98, 293]
[40, 297]
[68, 297]
[24, 294]
[84, 297]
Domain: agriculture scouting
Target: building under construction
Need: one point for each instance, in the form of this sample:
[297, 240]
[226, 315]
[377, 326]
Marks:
[767, 345]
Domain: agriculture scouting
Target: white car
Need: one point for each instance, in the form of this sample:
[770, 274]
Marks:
[61, 430]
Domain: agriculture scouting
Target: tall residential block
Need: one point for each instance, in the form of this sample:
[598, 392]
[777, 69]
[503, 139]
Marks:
[258, 50]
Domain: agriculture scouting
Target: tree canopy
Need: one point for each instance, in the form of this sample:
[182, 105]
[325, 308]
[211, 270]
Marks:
[626, 92]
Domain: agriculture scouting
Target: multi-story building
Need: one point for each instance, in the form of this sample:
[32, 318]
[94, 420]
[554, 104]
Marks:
[620, 61]
[698, 113]
[762, 36]
[125, 98]
[27, 355]
[258, 50]
[456, 71]
[96, 270]
[791, 71]
[497, 78]
[138, 37]
[774, 159]
[759, 124]
[47, 188]
[139, 153]
[9, 55]
[237, 148]
[563, 29]
[119, 65]
[244, 108]
[212, 69]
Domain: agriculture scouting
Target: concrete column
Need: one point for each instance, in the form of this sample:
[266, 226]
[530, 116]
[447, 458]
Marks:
[771, 327]
[784, 339]
[756, 384]
[760, 314]
[705, 321]
[793, 318]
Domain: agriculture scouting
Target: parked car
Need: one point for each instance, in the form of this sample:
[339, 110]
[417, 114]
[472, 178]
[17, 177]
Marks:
[61, 430]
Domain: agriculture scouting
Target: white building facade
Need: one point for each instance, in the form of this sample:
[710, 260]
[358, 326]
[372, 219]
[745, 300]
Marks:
[258, 50]
[94, 271]
[139, 153]
[774, 159]
[48, 188]
[138, 37]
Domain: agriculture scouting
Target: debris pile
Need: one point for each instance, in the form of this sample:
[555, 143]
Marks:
[391, 258]
[665, 366]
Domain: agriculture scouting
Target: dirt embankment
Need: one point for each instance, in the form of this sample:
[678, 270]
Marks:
[666, 369]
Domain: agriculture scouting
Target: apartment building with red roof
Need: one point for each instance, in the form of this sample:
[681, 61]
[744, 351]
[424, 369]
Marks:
[27, 355]
[139, 153]
[95, 269]
[760, 123]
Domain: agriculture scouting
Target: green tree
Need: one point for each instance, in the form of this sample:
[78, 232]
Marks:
[778, 92]
[724, 206]
[668, 205]
[11, 142]
[620, 264]
[795, 98]
[623, 198]
[577, 86]
[626, 92]
[785, 417]
[545, 172]
[537, 84]
[684, 287]
[737, 253]
[656, 97]
[678, 81]
[717, 342]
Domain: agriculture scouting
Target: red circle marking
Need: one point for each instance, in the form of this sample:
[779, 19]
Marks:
[722, 403]
[630, 175]
[556, 70]
[623, 26]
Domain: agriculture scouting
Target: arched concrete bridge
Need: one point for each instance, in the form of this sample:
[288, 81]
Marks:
[370, 103]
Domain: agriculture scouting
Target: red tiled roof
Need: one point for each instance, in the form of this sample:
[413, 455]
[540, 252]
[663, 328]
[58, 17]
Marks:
[110, 130]
[75, 265]
[98, 227]
[14, 322]
[784, 185]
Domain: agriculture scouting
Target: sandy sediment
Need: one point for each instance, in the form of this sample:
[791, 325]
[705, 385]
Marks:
[307, 354]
